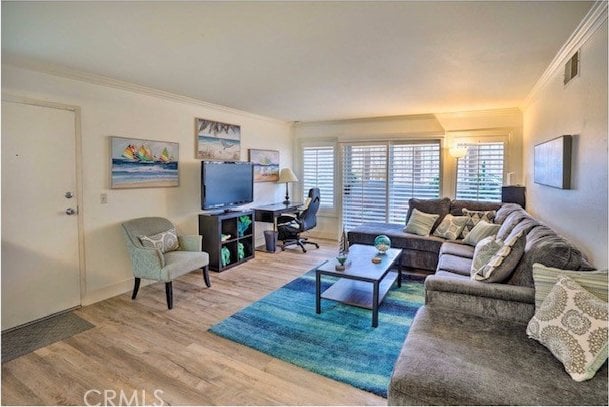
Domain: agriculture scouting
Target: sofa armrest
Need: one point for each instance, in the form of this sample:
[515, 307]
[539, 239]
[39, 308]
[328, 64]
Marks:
[190, 243]
[492, 300]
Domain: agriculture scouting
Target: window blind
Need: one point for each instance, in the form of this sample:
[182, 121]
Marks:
[480, 172]
[318, 172]
[379, 179]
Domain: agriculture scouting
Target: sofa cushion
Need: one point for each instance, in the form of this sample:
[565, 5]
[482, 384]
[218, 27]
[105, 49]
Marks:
[454, 264]
[365, 234]
[544, 246]
[453, 358]
[572, 324]
[448, 274]
[505, 210]
[457, 249]
[433, 206]
[420, 223]
[451, 227]
[457, 206]
[510, 223]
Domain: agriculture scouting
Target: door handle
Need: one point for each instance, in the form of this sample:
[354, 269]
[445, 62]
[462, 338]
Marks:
[70, 211]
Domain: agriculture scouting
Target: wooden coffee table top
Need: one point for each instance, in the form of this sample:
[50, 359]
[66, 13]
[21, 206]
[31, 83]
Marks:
[359, 263]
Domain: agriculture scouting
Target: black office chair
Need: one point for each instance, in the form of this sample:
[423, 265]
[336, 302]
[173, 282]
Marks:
[290, 227]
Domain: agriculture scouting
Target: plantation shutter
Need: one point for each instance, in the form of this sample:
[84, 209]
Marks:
[414, 172]
[480, 172]
[379, 179]
[364, 184]
[318, 172]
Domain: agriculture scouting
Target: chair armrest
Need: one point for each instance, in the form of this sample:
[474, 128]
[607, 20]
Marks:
[287, 218]
[190, 243]
[146, 262]
[490, 300]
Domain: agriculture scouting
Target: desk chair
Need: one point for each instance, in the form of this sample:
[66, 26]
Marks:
[290, 227]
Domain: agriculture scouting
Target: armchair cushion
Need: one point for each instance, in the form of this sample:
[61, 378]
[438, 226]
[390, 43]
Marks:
[190, 243]
[178, 263]
[164, 241]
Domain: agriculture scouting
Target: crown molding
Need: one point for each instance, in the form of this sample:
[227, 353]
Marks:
[586, 28]
[95, 79]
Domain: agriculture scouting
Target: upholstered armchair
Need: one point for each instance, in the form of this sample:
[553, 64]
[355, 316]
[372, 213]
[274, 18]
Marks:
[157, 253]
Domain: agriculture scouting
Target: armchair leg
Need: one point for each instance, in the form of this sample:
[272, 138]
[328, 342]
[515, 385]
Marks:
[136, 287]
[206, 276]
[169, 294]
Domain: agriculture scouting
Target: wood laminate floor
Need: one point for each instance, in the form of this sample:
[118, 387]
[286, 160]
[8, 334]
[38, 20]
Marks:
[139, 346]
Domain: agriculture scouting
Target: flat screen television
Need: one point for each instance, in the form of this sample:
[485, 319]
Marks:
[225, 184]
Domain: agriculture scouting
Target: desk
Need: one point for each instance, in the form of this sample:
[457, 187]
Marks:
[269, 214]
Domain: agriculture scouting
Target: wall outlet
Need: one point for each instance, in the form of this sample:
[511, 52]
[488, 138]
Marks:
[103, 198]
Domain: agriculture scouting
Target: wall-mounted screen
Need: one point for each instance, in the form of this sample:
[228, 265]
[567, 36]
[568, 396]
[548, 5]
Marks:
[552, 166]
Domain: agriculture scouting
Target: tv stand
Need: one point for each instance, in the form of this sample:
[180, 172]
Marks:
[212, 227]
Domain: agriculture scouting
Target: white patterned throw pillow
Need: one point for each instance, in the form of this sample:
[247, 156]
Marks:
[572, 324]
[474, 217]
[501, 265]
[164, 241]
[450, 227]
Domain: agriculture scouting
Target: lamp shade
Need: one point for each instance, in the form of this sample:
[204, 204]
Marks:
[286, 175]
[458, 152]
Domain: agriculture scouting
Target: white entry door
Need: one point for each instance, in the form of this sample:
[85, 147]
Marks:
[40, 255]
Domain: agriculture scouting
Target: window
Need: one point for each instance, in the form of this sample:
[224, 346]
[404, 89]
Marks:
[480, 172]
[318, 172]
[380, 178]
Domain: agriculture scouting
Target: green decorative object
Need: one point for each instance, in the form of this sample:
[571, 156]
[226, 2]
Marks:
[240, 251]
[243, 223]
[225, 256]
[382, 243]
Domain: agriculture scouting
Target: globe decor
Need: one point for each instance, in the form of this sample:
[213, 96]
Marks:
[382, 243]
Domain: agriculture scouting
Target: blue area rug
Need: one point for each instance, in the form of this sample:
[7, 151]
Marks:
[340, 342]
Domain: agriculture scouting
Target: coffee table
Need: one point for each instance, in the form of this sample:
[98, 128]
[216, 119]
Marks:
[362, 283]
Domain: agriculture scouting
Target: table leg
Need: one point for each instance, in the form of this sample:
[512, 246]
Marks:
[400, 271]
[375, 304]
[317, 292]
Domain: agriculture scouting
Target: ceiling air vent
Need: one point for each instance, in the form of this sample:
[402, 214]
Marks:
[572, 68]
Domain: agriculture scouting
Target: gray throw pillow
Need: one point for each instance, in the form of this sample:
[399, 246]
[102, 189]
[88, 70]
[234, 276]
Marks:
[480, 231]
[450, 227]
[502, 264]
[474, 218]
[572, 324]
[420, 223]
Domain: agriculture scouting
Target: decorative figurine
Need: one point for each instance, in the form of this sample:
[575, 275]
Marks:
[382, 243]
[343, 245]
[341, 259]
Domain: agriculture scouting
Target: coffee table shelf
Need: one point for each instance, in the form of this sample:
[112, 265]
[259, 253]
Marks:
[358, 293]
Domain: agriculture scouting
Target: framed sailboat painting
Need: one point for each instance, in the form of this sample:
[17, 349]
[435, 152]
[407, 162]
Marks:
[143, 163]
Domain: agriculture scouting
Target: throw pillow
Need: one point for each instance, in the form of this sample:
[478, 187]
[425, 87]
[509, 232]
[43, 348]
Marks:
[484, 252]
[504, 261]
[164, 241]
[420, 223]
[480, 231]
[474, 218]
[572, 324]
[451, 227]
[433, 206]
[544, 277]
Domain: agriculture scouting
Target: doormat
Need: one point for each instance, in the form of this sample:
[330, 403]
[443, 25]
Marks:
[27, 339]
[338, 343]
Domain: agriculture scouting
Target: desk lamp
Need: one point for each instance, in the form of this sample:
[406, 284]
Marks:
[286, 175]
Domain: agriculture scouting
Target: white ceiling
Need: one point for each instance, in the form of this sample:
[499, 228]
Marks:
[305, 60]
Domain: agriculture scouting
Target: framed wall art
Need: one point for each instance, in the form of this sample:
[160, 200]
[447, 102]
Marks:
[140, 163]
[217, 141]
[552, 163]
[266, 165]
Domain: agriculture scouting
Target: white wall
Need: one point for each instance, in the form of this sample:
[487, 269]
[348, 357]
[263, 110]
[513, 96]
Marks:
[578, 109]
[448, 127]
[108, 111]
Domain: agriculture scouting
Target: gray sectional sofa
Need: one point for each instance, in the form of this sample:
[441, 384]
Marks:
[468, 345]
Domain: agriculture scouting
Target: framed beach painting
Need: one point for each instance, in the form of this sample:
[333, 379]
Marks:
[266, 165]
[143, 163]
[217, 141]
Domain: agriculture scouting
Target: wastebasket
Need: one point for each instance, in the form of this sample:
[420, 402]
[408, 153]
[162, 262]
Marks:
[270, 239]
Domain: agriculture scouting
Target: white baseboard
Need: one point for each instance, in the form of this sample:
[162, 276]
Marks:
[110, 291]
